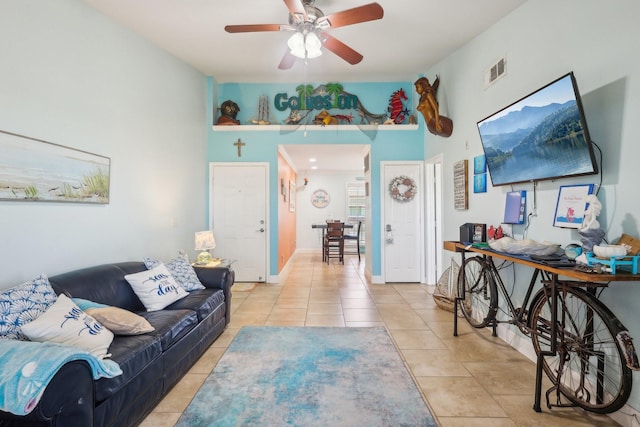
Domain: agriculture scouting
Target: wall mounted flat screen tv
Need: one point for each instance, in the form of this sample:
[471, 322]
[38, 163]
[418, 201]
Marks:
[542, 136]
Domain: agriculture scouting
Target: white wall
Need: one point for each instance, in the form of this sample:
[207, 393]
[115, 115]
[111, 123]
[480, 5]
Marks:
[543, 40]
[74, 77]
[306, 214]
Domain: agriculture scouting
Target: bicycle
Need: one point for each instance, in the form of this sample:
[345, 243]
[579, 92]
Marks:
[584, 349]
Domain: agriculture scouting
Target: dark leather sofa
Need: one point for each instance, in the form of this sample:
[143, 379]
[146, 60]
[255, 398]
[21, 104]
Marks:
[151, 363]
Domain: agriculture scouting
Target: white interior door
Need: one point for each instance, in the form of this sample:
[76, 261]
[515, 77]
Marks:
[403, 230]
[238, 195]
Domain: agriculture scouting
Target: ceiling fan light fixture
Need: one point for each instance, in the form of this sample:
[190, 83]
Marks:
[296, 44]
[305, 46]
[310, 25]
[313, 45]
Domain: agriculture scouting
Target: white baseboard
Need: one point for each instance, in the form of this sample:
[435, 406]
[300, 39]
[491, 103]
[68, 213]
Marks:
[626, 416]
[519, 342]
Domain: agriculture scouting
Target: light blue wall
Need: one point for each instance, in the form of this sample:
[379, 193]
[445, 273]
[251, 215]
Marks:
[74, 77]
[543, 40]
[262, 146]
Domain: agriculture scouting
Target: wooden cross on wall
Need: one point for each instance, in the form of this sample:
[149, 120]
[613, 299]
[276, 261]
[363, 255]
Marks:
[239, 144]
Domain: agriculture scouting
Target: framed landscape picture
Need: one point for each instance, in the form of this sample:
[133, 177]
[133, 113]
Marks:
[36, 170]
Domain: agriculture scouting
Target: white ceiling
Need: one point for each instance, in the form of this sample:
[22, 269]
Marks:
[412, 36]
[307, 158]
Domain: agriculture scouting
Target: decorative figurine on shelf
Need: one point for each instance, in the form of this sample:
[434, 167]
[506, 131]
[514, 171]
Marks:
[324, 118]
[428, 106]
[263, 117]
[590, 230]
[229, 111]
[398, 113]
[495, 233]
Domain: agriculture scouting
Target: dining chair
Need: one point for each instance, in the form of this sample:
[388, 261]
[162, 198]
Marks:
[352, 242]
[333, 245]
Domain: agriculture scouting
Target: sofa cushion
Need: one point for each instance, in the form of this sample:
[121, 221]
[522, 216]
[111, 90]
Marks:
[203, 302]
[23, 304]
[65, 323]
[181, 270]
[156, 288]
[171, 325]
[133, 354]
[103, 284]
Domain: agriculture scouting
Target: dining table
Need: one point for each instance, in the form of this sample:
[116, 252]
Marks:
[323, 226]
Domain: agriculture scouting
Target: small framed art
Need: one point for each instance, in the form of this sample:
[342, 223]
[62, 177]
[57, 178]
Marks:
[292, 196]
[571, 205]
[320, 198]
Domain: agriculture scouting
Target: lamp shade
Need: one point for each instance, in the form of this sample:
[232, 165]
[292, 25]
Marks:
[305, 45]
[205, 240]
[313, 44]
[296, 45]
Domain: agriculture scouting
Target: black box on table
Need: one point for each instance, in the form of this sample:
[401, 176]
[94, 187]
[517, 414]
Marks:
[473, 232]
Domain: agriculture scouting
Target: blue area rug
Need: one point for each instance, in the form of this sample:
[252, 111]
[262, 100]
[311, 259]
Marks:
[313, 376]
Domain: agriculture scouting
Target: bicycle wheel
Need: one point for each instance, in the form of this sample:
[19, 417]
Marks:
[480, 298]
[589, 368]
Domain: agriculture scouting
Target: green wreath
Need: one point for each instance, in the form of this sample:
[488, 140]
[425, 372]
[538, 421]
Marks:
[402, 188]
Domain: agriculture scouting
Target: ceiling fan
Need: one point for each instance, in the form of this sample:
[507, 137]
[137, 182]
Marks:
[310, 26]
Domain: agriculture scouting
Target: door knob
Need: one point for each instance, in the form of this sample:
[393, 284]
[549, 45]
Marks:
[260, 230]
[388, 238]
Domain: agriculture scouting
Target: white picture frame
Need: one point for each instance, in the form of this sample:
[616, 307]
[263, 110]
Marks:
[571, 205]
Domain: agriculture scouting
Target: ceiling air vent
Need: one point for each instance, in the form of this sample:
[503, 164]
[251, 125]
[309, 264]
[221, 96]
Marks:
[494, 72]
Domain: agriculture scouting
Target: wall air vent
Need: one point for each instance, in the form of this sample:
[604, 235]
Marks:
[494, 72]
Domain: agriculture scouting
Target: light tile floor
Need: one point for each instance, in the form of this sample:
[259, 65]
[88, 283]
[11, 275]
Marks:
[470, 380]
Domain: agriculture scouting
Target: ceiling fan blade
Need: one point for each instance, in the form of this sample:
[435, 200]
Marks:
[287, 61]
[368, 12]
[254, 28]
[296, 8]
[340, 49]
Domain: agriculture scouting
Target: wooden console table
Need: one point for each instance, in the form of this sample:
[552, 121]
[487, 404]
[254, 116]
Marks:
[567, 272]
[573, 278]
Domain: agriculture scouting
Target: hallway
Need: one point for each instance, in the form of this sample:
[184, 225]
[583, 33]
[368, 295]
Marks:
[469, 380]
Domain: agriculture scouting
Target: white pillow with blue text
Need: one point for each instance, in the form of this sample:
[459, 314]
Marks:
[156, 287]
[65, 323]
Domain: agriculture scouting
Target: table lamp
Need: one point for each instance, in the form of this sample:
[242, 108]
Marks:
[204, 242]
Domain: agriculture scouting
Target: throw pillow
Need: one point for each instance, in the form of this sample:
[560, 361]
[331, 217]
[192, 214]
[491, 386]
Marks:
[181, 270]
[86, 304]
[120, 321]
[156, 288]
[22, 304]
[65, 323]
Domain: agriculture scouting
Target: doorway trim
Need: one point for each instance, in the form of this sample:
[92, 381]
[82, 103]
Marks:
[433, 218]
